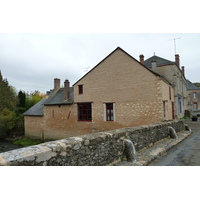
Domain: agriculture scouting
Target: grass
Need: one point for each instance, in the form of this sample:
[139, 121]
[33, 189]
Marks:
[25, 142]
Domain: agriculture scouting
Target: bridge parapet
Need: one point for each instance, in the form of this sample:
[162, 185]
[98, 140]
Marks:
[98, 149]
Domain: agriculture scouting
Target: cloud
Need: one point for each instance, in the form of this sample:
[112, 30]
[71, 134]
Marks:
[31, 61]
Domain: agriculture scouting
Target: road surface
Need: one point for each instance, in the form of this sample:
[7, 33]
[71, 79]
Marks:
[186, 153]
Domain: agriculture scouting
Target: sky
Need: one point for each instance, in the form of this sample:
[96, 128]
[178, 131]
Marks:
[41, 40]
[31, 61]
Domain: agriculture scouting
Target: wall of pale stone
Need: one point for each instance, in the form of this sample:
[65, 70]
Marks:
[98, 149]
[34, 126]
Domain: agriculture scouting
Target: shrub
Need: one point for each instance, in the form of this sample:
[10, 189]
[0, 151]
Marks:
[187, 113]
[7, 122]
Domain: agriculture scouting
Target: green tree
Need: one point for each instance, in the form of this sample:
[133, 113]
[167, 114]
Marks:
[22, 99]
[8, 121]
[197, 84]
[8, 102]
[33, 98]
[8, 97]
[12, 107]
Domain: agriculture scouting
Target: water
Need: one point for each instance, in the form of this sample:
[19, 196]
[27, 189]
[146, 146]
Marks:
[7, 146]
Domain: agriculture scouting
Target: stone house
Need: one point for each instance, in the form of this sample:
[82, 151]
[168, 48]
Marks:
[175, 75]
[118, 92]
[193, 101]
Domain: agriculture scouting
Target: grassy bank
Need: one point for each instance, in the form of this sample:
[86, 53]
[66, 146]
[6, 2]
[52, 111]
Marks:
[25, 142]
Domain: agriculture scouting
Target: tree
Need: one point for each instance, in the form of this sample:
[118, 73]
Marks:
[197, 84]
[12, 107]
[33, 98]
[8, 97]
[8, 121]
[22, 99]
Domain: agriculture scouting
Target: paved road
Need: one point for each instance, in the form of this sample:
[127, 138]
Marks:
[187, 153]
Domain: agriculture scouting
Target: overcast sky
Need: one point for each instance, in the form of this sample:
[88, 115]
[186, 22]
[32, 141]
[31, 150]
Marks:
[31, 61]
[41, 40]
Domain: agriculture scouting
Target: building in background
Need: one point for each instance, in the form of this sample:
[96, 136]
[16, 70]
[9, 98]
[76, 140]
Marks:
[172, 72]
[193, 101]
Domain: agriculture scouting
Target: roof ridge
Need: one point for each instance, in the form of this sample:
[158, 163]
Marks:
[118, 48]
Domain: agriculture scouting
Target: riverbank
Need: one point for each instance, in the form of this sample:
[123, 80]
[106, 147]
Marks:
[16, 141]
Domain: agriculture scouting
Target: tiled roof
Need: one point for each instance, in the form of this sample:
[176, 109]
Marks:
[191, 86]
[54, 99]
[160, 61]
[58, 98]
[37, 109]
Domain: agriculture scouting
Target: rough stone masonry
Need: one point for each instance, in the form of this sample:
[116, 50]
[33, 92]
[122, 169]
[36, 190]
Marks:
[98, 149]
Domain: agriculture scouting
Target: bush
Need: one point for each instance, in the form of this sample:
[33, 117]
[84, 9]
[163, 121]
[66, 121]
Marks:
[7, 122]
[187, 114]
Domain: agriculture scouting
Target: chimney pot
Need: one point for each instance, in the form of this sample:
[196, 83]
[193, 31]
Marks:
[183, 70]
[177, 60]
[66, 89]
[142, 59]
[56, 84]
[154, 65]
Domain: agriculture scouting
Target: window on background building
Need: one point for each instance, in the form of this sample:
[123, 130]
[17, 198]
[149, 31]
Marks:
[173, 114]
[194, 95]
[109, 112]
[170, 95]
[85, 112]
[194, 106]
[179, 105]
[164, 109]
[80, 89]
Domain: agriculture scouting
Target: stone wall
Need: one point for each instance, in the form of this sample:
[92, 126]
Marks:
[98, 149]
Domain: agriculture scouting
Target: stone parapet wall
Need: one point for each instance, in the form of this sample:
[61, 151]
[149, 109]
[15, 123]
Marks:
[98, 149]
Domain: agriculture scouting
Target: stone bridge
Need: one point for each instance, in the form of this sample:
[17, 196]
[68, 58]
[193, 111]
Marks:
[97, 149]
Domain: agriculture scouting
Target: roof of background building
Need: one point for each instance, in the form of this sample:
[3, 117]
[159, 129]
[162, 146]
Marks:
[191, 86]
[37, 109]
[58, 98]
[54, 99]
[160, 61]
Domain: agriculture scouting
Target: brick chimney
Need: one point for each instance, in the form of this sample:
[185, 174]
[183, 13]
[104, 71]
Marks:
[142, 59]
[56, 84]
[177, 60]
[154, 65]
[183, 70]
[66, 90]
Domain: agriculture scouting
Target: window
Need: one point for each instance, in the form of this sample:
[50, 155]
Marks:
[170, 96]
[109, 112]
[173, 115]
[194, 95]
[80, 89]
[179, 105]
[85, 112]
[194, 106]
[164, 108]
